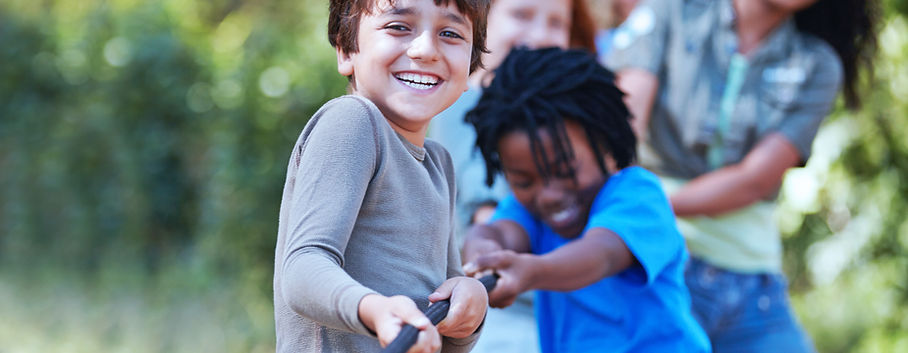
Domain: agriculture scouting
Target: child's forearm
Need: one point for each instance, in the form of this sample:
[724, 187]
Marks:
[315, 287]
[484, 233]
[597, 254]
[739, 185]
[507, 234]
[486, 238]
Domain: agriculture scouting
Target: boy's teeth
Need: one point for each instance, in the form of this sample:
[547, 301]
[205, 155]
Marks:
[561, 215]
[417, 85]
[417, 81]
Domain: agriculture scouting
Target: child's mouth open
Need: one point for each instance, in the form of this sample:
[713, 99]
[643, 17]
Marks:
[564, 219]
[417, 80]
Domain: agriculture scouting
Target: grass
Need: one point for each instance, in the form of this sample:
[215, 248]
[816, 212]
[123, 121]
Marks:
[185, 308]
[120, 311]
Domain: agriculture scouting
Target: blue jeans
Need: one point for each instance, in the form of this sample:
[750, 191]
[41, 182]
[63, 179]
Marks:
[744, 312]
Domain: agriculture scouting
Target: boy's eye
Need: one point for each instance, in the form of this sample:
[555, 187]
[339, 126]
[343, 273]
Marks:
[397, 27]
[519, 183]
[522, 14]
[557, 23]
[451, 34]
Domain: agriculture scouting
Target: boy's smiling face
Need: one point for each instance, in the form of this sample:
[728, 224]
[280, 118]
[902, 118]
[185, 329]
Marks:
[413, 61]
[561, 201]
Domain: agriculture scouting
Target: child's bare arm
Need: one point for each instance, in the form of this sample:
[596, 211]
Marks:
[387, 315]
[486, 238]
[599, 253]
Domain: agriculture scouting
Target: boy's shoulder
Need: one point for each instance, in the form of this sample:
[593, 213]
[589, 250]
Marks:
[349, 114]
[346, 119]
[632, 188]
[631, 179]
[349, 105]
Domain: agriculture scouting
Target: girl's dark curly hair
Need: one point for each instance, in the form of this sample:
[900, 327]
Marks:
[849, 26]
[540, 89]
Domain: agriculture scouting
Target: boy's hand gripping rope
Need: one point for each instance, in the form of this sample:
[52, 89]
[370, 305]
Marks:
[436, 312]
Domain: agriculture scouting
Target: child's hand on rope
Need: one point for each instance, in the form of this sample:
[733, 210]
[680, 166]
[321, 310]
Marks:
[473, 249]
[515, 271]
[469, 302]
[386, 315]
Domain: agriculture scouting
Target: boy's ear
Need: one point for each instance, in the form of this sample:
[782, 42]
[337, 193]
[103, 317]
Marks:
[344, 63]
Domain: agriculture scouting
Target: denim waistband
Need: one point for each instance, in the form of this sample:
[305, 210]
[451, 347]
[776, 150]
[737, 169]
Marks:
[703, 269]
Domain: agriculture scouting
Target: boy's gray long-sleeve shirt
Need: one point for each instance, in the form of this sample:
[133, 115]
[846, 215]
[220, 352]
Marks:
[363, 211]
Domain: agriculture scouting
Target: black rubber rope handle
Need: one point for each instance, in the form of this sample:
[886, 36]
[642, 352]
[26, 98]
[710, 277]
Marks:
[436, 312]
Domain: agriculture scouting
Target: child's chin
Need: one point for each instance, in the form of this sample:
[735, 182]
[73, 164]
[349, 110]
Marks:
[568, 233]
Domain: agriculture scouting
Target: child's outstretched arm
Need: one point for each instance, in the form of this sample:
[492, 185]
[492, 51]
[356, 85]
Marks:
[485, 238]
[597, 254]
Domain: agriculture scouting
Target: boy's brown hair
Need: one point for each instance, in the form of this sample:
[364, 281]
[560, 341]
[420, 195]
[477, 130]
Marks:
[344, 15]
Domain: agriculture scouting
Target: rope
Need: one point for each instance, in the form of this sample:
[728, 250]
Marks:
[436, 312]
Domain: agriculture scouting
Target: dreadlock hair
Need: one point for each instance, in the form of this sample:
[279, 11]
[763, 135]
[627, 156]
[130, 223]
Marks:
[540, 89]
[849, 26]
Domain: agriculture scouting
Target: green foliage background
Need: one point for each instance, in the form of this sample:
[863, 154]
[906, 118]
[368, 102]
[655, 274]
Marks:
[143, 147]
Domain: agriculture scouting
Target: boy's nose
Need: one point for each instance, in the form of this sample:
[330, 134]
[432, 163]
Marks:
[424, 47]
[551, 195]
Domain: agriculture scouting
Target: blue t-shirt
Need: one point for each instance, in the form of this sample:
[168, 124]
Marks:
[645, 308]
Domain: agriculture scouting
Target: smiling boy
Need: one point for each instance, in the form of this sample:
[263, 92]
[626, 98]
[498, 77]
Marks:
[593, 234]
[366, 222]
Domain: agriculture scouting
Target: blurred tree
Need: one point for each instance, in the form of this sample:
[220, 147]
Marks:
[847, 249]
[153, 131]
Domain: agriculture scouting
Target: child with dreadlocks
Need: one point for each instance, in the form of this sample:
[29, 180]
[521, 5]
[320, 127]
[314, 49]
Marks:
[593, 234]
